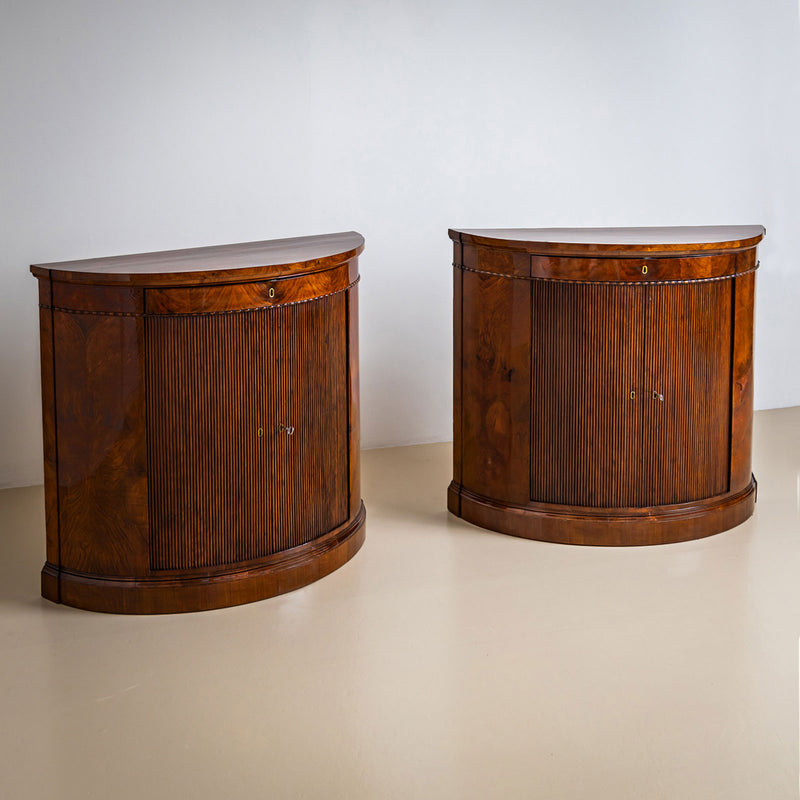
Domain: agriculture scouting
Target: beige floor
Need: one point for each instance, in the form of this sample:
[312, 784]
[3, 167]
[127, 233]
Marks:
[442, 662]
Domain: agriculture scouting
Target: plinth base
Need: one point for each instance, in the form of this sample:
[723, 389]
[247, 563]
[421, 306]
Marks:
[606, 526]
[283, 572]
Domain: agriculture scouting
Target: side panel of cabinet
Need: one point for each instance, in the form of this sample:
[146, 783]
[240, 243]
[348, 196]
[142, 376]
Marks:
[586, 393]
[50, 449]
[458, 277]
[355, 401]
[227, 484]
[742, 382]
[495, 386]
[102, 457]
[688, 363]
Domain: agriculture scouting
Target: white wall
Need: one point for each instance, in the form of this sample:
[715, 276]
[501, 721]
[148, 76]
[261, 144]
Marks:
[155, 124]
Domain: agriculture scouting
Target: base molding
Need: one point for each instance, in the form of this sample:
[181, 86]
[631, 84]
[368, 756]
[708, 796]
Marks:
[283, 572]
[606, 526]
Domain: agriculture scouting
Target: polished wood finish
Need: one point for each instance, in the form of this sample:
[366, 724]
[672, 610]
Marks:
[50, 445]
[458, 304]
[200, 438]
[608, 527]
[645, 270]
[102, 442]
[229, 263]
[603, 382]
[580, 393]
[742, 381]
[354, 403]
[496, 369]
[611, 242]
[99, 299]
[245, 296]
[686, 444]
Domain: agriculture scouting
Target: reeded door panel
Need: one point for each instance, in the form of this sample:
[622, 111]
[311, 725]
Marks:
[586, 422]
[219, 388]
[687, 391]
[630, 392]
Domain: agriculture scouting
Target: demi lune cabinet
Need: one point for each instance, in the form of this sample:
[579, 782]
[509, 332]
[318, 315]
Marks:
[200, 423]
[603, 382]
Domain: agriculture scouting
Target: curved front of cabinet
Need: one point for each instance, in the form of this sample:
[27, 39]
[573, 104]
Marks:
[609, 405]
[206, 440]
[247, 432]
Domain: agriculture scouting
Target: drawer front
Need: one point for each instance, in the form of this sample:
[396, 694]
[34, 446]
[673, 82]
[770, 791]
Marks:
[245, 296]
[634, 269]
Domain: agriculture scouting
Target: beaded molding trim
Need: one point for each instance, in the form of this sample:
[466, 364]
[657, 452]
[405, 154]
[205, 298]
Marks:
[628, 283]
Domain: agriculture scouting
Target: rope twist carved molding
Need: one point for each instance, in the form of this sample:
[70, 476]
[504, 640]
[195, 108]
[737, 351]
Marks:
[630, 282]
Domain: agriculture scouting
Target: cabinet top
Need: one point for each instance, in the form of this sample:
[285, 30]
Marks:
[615, 241]
[227, 263]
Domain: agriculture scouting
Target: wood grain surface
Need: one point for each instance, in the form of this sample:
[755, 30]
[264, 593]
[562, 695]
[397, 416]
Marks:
[587, 394]
[624, 394]
[609, 242]
[220, 389]
[200, 439]
[495, 386]
[232, 263]
[102, 448]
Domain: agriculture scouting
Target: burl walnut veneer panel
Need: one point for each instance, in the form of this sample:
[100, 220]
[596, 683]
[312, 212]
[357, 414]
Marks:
[603, 382]
[201, 434]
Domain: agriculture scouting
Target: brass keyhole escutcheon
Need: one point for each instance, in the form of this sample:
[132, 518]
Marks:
[644, 269]
[260, 432]
[271, 292]
[633, 395]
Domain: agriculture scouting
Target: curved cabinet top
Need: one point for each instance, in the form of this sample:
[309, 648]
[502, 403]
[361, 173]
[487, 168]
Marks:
[253, 261]
[616, 242]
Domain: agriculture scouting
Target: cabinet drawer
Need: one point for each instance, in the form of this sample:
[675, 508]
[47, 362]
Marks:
[242, 296]
[633, 269]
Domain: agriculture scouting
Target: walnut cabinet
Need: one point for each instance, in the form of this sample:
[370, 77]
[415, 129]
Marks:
[201, 423]
[603, 382]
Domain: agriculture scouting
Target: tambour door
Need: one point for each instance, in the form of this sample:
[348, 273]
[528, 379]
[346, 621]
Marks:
[687, 391]
[630, 392]
[586, 413]
[247, 431]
